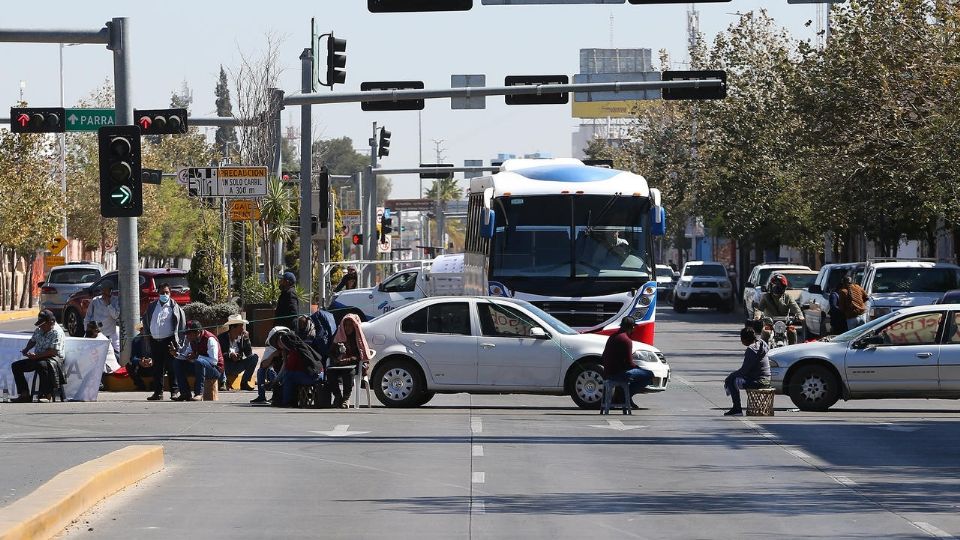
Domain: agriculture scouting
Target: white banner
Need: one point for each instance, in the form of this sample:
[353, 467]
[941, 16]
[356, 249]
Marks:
[83, 365]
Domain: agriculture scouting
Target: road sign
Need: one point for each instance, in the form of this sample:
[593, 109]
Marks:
[411, 205]
[242, 182]
[199, 181]
[398, 105]
[244, 210]
[346, 213]
[54, 260]
[468, 81]
[57, 244]
[536, 99]
[89, 119]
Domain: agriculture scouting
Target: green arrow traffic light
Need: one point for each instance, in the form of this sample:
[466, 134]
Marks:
[121, 192]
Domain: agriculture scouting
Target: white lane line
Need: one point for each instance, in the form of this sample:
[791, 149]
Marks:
[751, 424]
[477, 450]
[844, 480]
[476, 425]
[797, 453]
[479, 477]
[931, 530]
[479, 507]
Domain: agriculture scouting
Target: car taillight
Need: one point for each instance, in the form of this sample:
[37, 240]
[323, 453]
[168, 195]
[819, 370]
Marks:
[48, 290]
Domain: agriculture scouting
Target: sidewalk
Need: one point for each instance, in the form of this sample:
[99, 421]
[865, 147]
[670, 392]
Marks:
[18, 314]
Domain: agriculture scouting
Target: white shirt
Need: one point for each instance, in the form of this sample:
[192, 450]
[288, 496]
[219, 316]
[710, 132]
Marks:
[161, 325]
[104, 314]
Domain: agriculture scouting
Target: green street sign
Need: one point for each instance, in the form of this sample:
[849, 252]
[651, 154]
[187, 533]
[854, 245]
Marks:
[121, 195]
[89, 119]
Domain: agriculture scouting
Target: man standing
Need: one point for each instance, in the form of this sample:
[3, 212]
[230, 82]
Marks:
[163, 326]
[104, 311]
[238, 351]
[200, 353]
[618, 362]
[47, 343]
[348, 281]
[853, 302]
[288, 306]
[754, 373]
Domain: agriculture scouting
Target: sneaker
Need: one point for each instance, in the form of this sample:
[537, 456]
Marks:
[196, 397]
[155, 397]
[175, 396]
[22, 399]
[222, 387]
[247, 387]
[733, 412]
[258, 400]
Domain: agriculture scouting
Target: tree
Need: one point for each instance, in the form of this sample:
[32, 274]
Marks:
[226, 137]
[341, 159]
[182, 99]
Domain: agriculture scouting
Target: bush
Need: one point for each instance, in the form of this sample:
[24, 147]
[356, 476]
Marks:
[207, 278]
[210, 316]
[255, 292]
[198, 311]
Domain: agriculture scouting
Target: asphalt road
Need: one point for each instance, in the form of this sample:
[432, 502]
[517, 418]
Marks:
[514, 466]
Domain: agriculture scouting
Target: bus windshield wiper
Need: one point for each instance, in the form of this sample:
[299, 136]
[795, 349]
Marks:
[606, 208]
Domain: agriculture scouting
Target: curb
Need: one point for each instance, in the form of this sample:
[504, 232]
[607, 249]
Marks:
[18, 314]
[52, 506]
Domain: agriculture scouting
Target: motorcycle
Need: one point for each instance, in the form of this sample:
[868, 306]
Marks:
[779, 329]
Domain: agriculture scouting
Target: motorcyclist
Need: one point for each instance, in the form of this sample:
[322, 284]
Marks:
[777, 303]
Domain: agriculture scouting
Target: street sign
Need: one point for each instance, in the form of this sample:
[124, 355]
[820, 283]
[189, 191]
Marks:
[468, 81]
[53, 260]
[242, 182]
[57, 244]
[386, 245]
[244, 210]
[713, 92]
[536, 99]
[89, 119]
[199, 181]
[398, 105]
[411, 205]
[354, 213]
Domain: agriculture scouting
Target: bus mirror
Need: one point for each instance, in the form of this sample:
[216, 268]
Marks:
[488, 218]
[658, 221]
[488, 198]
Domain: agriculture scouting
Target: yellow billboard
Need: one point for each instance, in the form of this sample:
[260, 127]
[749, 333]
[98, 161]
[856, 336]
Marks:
[605, 109]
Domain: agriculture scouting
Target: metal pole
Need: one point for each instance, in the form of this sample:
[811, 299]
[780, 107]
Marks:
[306, 187]
[63, 156]
[276, 105]
[370, 211]
[128, 255]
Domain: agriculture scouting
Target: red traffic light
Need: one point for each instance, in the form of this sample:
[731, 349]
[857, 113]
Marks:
[161, 121]
[37, 120]
[145, 123]
[23, 120]
[357, 239]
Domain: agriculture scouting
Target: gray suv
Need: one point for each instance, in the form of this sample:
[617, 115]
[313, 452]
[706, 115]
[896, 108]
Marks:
[62, 281]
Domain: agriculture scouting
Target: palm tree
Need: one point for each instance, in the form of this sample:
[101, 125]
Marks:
[277, 212]
[443, 190]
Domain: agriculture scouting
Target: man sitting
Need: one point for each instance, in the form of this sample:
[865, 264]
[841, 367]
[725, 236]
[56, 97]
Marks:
[270, 367]
[201, 354]
[47, 343]
[238, 351]
[618, 361]
[754, 373]
[301, 365]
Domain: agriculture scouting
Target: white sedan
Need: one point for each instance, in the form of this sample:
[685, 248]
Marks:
[489, 345]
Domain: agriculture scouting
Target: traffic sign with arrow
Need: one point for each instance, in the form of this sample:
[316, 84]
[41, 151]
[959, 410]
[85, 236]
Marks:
[122, 195]
[57, 244]
[89, 119]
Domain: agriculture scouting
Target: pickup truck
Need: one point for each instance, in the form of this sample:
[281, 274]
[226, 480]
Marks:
[444, 277]
[899, 284]
[815, 300]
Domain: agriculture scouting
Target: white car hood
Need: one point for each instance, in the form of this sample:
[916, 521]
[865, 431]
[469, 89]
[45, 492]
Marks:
[355, 293]
[898, 300]
[822, 349]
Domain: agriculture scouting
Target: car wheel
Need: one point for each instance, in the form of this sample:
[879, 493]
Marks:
[814, 388]
[425, 398]
[586, 386]
[399, 383]
[679, 306]
[73, 323]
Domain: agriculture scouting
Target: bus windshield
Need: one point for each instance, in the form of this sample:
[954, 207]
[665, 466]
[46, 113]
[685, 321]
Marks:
[582, 236]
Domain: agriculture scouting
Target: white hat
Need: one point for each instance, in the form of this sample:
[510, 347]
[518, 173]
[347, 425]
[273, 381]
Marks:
[235, 319]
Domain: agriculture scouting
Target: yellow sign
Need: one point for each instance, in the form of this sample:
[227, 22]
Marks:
[244, 210]
[57, 244]
[53, 260]
[345, 213]
[605, 109]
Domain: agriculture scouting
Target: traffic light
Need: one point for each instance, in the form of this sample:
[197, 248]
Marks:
[322, 210]
[161, 121]
[383, 149]
[358, 239]
[37, 120]
[386, 224]
[121, 193]
[336, 61]
[151, 176]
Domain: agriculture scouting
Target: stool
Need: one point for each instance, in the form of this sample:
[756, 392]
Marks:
[314, 396]
[41, 378]
[211, 391]
[609, 387]
[760, 401]
[362, 381]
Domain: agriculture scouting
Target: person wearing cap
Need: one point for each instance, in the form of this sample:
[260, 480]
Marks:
[618, 361]
[348, 281]
[163, 327]
[201, 353]
[237, 350]
[288, 306]
[753, 373]
[104, 311]
[47, 343]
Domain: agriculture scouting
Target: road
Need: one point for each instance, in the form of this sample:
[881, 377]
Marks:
[514, 466]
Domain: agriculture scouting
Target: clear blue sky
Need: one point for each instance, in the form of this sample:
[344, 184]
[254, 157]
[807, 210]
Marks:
[177, 40]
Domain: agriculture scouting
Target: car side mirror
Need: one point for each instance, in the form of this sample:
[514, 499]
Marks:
[869, 342]
[815, 289]
[40, 283]
[380, 287]
[538, 332]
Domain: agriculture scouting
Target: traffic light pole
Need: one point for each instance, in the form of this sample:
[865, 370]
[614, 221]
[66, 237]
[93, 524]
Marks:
[306, 187]
[369, 211]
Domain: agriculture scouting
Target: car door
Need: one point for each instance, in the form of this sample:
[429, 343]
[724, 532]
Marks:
[397, 291]
[907, 362]
[440, 335]
[508, 356]
[816, 312]
[950, 356]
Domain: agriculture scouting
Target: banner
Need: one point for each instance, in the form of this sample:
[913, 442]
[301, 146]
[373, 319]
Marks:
[84, 359]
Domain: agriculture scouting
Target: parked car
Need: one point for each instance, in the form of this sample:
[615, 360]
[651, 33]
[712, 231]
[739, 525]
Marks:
[704, 284]
[757, 282]
[150, 278]
[63, 281]
[489, 345]
[666, 281]
[815, 300]
[950, 297]
[908, 353]
[892, 285]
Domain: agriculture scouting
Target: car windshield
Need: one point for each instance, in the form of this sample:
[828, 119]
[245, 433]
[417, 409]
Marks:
[850, 335]
[714, 270]
[665, 272]
[799, 281]
[74, 276]
[554, 323]
[176, 281]
[916, 280]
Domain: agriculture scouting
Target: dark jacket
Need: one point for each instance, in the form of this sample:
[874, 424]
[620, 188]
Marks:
[617, 355]
[179, 322]
[246, 348]
[307, 359]
[287, 308]
[324, 326]
[756, 365]
[349, 280]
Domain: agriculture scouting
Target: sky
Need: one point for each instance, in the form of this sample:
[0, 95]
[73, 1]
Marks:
[177, 41]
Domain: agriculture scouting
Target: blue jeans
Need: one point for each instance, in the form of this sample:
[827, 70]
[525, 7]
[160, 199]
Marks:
[202, 369]
[856, 321]
[639, 379]
[247, 365]
[293, 379]
[264, 375]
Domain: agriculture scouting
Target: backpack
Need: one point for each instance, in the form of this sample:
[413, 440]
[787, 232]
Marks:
[324, 327]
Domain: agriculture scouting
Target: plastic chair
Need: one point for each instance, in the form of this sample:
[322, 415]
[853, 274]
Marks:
[609, 387]
[41, 382]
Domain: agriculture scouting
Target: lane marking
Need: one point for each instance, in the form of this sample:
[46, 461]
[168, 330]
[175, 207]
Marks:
[931, 530]
[844, 480]
[798, 453]
[479, 507]
[340, 430]
[476, 425]
[616, 425]
[477, 450]
[479, 478]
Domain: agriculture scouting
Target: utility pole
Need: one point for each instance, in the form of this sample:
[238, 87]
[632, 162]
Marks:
[440, 241]
[369, 212]
[306, 186]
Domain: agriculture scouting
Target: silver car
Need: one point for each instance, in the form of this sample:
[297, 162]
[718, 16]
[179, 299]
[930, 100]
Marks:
[909, 353]
[63, 281]
[489, 345]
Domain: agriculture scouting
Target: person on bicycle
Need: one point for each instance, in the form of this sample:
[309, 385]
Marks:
[777, 303]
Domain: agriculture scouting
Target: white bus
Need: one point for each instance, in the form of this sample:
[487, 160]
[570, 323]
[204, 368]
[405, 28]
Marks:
[574, 240]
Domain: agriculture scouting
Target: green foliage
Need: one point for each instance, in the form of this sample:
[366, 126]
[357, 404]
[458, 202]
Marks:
[30, 199]
[257, 292]
[209, 316]
[226, 137]
[207, 276]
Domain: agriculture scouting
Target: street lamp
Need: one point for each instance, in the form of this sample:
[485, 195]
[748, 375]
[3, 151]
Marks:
[63, 146]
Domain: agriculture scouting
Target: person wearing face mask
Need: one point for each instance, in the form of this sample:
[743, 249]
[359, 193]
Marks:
[777, 303]
[164, 325]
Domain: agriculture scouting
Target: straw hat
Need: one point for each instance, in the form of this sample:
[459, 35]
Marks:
[235, 319]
